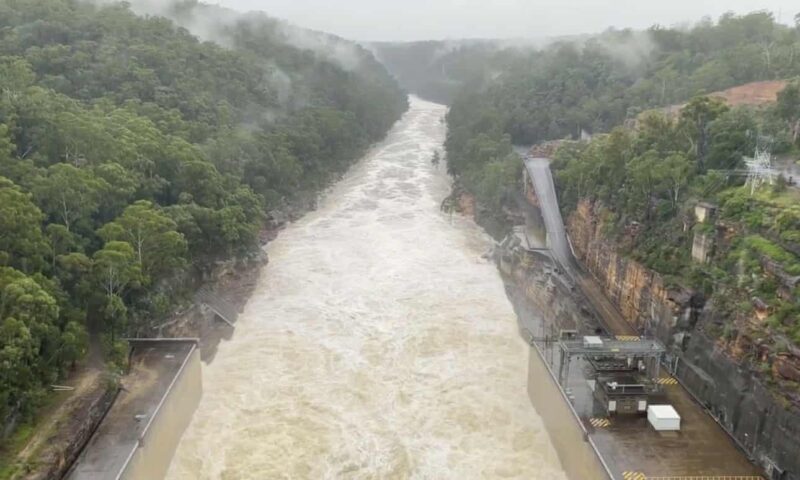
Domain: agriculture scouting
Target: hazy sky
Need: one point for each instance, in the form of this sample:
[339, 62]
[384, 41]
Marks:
[438, 19]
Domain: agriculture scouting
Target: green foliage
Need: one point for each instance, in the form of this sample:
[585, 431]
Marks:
[567, 88]
[133, 156]
[22, 244]
[788, 108]
[159, 248]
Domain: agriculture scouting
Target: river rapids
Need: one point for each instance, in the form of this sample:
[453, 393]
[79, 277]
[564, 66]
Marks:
[378, 343]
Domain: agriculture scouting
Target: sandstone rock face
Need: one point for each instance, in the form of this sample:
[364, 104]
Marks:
[766, 427]
[641, 294]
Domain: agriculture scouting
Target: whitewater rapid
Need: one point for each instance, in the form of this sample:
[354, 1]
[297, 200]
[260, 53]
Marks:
[378, 343]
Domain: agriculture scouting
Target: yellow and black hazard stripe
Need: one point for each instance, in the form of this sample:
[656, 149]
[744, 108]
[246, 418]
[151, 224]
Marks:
[628, 338]
[600, 422]
[633, 476]
[667, 381]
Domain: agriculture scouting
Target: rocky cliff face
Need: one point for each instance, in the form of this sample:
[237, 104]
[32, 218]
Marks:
[640, 293]
[768, 428]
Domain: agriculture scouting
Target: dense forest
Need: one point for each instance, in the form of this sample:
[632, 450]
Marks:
[645, 168]
[439, 70]
[569, 88]
[645, 182]
[134, 155]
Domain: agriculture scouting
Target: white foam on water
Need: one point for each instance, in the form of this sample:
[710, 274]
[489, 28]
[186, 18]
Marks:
[378, 343]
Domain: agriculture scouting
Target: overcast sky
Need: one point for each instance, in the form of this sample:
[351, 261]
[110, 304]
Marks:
[440, 19]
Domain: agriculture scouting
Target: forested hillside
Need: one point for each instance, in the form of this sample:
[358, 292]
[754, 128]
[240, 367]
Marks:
[134, 155]
[594, 85]
[439, 70]
[646, 168]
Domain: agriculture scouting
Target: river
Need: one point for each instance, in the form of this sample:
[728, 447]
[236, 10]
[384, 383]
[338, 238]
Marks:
[378, 343]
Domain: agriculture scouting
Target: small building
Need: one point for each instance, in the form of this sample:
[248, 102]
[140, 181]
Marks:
[705, 212]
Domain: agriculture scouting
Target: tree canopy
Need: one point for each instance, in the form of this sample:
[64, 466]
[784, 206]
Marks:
[134, 155]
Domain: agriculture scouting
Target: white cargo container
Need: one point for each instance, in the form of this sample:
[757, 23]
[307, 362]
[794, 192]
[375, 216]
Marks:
[664, 418]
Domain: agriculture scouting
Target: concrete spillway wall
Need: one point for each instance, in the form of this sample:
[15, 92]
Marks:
[157, 443]
[573, 446]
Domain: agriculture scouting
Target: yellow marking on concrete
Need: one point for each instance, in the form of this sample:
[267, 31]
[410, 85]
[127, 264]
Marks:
[633, 476]
[600, 422]
[707, 477]
[667, 381]
[628, 338]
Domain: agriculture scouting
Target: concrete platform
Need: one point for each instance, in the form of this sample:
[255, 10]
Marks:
[630, 444]
[629, 448]
[155, 366]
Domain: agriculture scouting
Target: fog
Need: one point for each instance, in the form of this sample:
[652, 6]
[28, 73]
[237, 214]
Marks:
[440, 19]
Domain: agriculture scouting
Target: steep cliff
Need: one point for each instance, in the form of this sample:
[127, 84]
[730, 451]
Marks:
[731, 385]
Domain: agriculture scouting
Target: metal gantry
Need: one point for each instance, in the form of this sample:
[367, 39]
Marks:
[648, 350]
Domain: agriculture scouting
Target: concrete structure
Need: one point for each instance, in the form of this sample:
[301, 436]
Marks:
[139, 434]
[702, 247]
[576, 449]
[623, 446]
[705, 212]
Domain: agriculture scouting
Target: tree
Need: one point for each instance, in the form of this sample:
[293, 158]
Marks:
[29, 337]
[203, 182]
[696, 118]
[732, 136]
[69, 194]
[74, 344]
[115, 270]
[157, 245]
[16, 74]
[18, 355]
[788, 108]
[116, 189]
[677, 172]
[61, 240]
[21, 242]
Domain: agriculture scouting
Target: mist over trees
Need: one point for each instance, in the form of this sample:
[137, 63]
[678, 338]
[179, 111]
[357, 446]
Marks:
[645, 167]
[594, 85]
[134, 155]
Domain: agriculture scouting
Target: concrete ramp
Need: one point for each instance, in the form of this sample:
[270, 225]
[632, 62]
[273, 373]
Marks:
[557, 242]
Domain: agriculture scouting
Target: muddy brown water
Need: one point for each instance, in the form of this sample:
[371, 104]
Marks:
[377, 344]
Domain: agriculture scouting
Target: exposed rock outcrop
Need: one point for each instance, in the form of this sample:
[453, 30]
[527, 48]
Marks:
[766, 426]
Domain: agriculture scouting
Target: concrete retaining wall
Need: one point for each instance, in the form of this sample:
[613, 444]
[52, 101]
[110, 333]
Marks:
[160, 438]
[575, 450]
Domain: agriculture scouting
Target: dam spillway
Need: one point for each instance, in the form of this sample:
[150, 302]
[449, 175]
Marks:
[378, 343]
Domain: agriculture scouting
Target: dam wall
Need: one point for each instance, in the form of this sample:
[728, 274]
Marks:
[573, 445]
[157, 444]
[157, 399]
